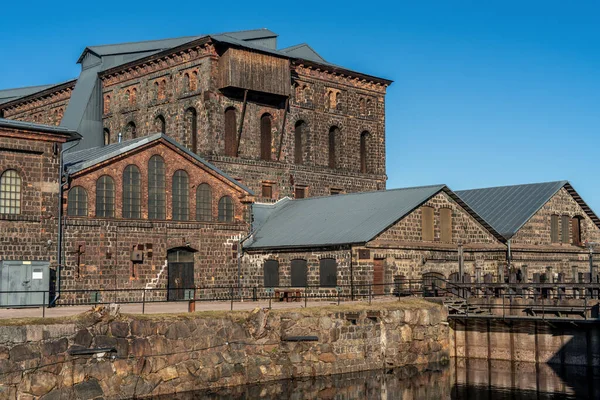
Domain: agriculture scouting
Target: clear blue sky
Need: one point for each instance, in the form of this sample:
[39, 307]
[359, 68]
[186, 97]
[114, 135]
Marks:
[484, 95]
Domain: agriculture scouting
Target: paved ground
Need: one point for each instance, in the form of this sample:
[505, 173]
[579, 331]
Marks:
[160, 308]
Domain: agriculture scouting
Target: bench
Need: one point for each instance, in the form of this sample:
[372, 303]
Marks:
[288, 295]
[559, 311]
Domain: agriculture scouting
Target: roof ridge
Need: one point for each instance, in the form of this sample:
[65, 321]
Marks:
[144, 41]
[369, 192]
[564, 182]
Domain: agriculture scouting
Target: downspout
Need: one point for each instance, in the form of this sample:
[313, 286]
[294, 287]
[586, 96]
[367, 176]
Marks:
[61, 186]
[351, 275]
[508, 255]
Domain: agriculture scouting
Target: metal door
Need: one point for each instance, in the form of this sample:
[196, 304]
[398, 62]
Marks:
[26, 281]
[181, 274]
[378, 277]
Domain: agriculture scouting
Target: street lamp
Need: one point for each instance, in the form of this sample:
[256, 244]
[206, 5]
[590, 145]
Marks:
[591, 258]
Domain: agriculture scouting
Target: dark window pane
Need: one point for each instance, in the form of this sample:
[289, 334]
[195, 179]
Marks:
[230, 133]
[105, 197]
[554, 228]
[271, 273]
[181, 209]
[204, 203]
[10, 192]
[299, 272]
[226, 209]
[300, 192]
[564, 226]
[156, 188]
[265, 137]
[267, 191]
[132, 196]
[328, 272]
[77, 202]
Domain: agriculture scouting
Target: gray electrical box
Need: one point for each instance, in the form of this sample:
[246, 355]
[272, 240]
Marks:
[28, 280]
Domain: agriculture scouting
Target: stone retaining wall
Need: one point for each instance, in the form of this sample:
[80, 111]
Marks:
[167, 354]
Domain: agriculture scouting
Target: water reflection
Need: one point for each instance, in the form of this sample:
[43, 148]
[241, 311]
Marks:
[462, 379]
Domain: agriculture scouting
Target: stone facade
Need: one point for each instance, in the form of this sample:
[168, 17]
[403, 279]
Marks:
[164, 355]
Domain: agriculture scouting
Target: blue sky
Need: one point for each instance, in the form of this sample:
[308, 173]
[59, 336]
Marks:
[490, 94]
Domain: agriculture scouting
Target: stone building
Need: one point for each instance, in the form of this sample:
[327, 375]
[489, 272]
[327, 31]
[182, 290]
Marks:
[147, 213]
[285, 122]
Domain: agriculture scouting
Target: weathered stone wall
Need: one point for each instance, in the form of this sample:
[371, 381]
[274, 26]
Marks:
[164, 355]
[46, 107]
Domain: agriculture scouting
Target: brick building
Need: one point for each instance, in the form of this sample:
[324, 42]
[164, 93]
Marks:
[283, 121]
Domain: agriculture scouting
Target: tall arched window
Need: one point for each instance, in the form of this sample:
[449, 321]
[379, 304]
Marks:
[107, 104]
[127, 97]
[186, 82]
[160, 125]
[191, 121]
[132, 193]
[10, 192]
[133, 97]
[77, 202]
[300, 142]
[156, 188]
[364, 137]
[106, 136]
[162, 90]
[131, 130]
[334, 133]
[156, 90]
[181, 206]
[204, 202]
[105, 197]
[265, 137]
[230, 132]
[226, 209]
[194, 81]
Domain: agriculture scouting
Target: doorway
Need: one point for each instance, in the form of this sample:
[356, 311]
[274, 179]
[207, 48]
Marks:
[378, 277]
[181, 274]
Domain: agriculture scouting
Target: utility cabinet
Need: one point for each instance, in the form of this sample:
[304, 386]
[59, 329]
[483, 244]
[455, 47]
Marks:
[28, 280]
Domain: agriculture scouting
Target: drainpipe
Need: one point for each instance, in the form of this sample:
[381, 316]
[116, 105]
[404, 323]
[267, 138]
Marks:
[61, 186]
[352, 276]
[508, 255]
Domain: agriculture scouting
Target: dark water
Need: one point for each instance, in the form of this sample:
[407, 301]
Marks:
[461, 379]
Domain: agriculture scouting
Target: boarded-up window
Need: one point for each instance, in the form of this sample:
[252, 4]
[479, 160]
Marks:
[230, 133]
[427, 223]
[132, 197]
[271, 273]
[554, 228]
[265, 137]
[181, 205]
[328, 272]
[156, 188]
[299, 272]
[446, 225]
[299, 142]
[105, 197]
[204, 202]
[10, 192]
[333, 134]
[77, 202]
[300, 192]
[364, 168]
[226, 209]
[576, 231]
[267, 191]
[564, 228]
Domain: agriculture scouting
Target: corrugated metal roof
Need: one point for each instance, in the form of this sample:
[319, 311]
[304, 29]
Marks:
[30, 126]
[7, 95]
[508, 208]
[335, 220]
[83, 159]
[303, 51]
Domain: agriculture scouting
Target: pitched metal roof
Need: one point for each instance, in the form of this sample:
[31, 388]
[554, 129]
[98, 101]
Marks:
[508, 208]
[334, 220]
[79, 160]
[304, 51]
[7, 95]
[30, 126]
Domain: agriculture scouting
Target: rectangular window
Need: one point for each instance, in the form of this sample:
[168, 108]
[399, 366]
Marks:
[335, 191]
[328, 272]
[565, 221]
[300, 192]
[554, 228]
[271, 273]
[576, 229]
[267, 191]
[446, 225]
[299, 273]
[427, 223]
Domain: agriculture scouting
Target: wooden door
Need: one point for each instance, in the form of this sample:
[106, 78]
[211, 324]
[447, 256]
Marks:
[378, 277]
[180, 274]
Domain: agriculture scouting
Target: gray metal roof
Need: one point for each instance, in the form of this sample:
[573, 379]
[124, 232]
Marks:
[508, 208]
[30, 126]
[303, 51]
[333, 220]
[7, 95]
[79, 160]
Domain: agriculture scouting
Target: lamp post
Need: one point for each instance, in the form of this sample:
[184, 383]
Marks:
[460, 262]
[591, 258]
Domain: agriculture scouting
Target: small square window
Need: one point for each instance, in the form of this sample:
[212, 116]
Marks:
[300, 192]
[267, 191]
[334, 191]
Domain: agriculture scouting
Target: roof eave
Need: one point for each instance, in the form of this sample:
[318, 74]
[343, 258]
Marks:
[41, 93]
[342, 70]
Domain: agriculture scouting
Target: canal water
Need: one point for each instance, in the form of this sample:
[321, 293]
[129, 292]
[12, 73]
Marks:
[461, 379]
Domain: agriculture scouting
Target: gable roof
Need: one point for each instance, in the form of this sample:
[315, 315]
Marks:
[338, 220]
[508, 208]
[34, 127]
[7, 95]
[80, 160]
[303, 51]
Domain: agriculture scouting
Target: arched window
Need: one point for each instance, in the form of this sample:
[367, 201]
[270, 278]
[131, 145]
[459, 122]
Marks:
[338, 100]
[133, 97]
[271, 273]
[225, 209]
[10, 192]
[106, 104]
[230, 132]
[130, 131]
[106, 136]
[160, 125]
[132, 193]
[162, 90]
[186, 82]
[191, 121]
[362, 106]
[334, 133]
[77, 202]
[364, 152]
[328, 272]
[127, 97]
[194, 81]
[156, 188]
[204, 202]
[330, 99]
[181, 206]
[265, 137]
[369, 107]
[300, 134]
[156, 89]
[105, 197]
